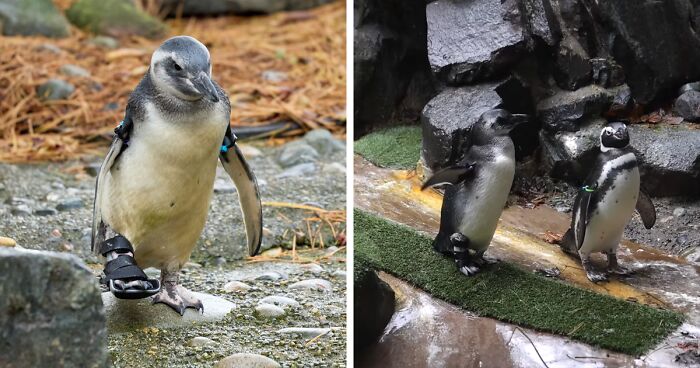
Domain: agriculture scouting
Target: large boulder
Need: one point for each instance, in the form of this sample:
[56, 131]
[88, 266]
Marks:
[567, 154]
[473, 40]
[114, 18]
[448, 118]
[391, 73]
[51, 313]
[566, 110]
[541, 21]
[670, 157]
[656, 42]
[32, 17]
[374, 306]
[217, 7]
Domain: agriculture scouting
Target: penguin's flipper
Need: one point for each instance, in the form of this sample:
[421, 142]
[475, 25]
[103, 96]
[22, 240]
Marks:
[581, 213]
[645, 208]
[450, 175]
[119, 143]
[247, 187]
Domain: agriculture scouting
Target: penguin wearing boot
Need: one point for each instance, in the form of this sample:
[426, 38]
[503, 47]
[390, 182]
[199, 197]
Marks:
[606, 202]
[156, 182]
[477, 191]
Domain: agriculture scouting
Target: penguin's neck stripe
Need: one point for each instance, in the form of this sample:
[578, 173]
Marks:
[619, 162]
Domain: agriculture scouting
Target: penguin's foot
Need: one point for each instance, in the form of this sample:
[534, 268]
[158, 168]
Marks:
[614, 267]
[176, 296]
[593, 274]
[122, 276]
[468, 267]
[486, 260]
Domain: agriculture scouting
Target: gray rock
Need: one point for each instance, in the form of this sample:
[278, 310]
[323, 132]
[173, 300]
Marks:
[247, 360]
[274, 76]
[216, 7]
[50, 311]
[670, 157]
[295, 153]
[74, 71]
[32, 17]
[323, 142]
[312, 268]
[104, 41]
[541, 21]
[334, 168]
[313, 284]
[114, 18]
[374, 305]
[70, 204]
[687, 106]
[607, 73]
[566, 110]
[304, 332]
[49, 47]
[448, 118]
[21, 210]
[280, 301]
[236, 287]
[339, 274]
[54, 89]
[679, 211]
[572, 67]
[223, 185]
[132, 315]
[271, 276]
[469, 41]
[200, 341]
[566, 154]
[297, 170]
[47, 211]
[269, 311]
[93, 169]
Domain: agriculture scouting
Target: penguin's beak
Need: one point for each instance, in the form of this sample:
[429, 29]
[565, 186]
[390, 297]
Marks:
[204, 85]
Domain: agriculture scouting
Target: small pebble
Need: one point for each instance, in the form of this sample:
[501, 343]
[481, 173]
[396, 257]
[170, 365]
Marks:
[247, 360]
[105, 41]
[74, 71]
[297, 170]
[274, 76]
[280, 301]
[312, 268]
[200, 341]
[7, 242]
[271, 276]
[269, 311]
[305, 332]
[339, 274]
[223, 185]
[249, 151]
[45, 212]
[236, 287]
[679, 211]
[313, 284]
[54, 89]
[21, 210]
[272, 253]
[70, 204]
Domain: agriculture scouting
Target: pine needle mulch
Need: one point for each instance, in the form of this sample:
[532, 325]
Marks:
[307, 47]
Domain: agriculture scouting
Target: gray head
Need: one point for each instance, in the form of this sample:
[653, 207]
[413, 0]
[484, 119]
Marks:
[181, 68]
[496, 123]
[614, 135]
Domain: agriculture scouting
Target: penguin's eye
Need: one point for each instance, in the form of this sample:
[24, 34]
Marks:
[177, 66]
[607, 132]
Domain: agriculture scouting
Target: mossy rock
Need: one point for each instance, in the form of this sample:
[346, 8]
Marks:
[32, 17]
[114, 18]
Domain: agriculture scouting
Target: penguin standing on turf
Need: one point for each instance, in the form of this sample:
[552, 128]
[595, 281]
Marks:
[155, 184]
[606, 202]
[478, 190]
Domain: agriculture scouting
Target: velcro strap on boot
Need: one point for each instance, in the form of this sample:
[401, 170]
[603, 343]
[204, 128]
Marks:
[123, 267]
[118, 243]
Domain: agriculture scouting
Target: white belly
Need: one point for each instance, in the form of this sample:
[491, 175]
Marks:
[485, 203]
[608, 221]
[158, 193]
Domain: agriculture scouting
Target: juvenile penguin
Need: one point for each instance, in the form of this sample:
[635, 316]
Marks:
[478, 191]
[156, 182]
[606, 202]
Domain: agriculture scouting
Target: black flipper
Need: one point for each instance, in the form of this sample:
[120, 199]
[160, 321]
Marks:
[645, 208]
[125, 279]
[579, 222]
[451, 175]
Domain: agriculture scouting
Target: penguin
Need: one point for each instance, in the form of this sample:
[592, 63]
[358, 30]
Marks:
[477, 191]
[156, 182]
[606, 202]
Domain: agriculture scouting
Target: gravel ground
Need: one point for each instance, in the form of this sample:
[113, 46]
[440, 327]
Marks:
[49, 207]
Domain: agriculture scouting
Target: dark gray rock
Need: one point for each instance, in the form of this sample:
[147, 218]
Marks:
[623, 103]
[32, 17]
[607, 73]
[572, 67]
[295, 153]
[50, 312]
[471, 40]
[670, 157]
[392, 76]
[45, 211]
[541, 20]
[323, 142]
[448, 118]
[21, 210]
[217, 7]
[54, 89]
[374, 305]
[688, 106]
[566, 154]
[565, 110]
[654, 41]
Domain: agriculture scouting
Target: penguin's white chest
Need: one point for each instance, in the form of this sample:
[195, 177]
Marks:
[614, 210]
[486, 200]
[159, 192]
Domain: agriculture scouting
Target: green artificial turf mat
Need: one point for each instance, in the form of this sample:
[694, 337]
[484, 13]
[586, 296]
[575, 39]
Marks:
[510, 294]
[396, 148]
